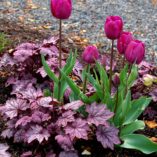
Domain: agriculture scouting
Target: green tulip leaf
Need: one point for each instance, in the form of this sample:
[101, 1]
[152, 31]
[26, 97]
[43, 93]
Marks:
[139, 142]
[137, 107]
[132, 127]
[48, 70]
[132, 76]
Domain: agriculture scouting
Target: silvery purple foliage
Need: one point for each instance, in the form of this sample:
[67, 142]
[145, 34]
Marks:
[3, 150]
[13, 106]
[66, 118]
[37, 132]
[65, 142]
[31, 117]
[107, 136]
[98, 114]
[27, 154]
[78, 129]
[154, 95]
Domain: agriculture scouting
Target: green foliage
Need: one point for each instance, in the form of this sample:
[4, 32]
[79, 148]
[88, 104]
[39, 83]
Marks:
[67, 69]
[4, 42]
[139, 142]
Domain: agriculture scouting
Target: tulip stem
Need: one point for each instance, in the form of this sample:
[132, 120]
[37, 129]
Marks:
[85, 79]
[116, 104]
[60, 57]
[111, 64]
[123, 61]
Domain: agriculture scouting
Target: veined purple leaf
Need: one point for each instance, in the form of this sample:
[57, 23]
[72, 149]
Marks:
[154, 95]
[78, 129]
[65, 142]
[50, 51]
[68, 154]
[74, 105]
[145, 68]
[8, 133]
[107, 136]
[78, 69]
[105, 61]
[6, 59]
[66, 118]
[13, 106]
[98, 114]
[21, 55]
[23, 121]
[45, 102]
[37, 133]
[27, 46]
[27, 154]
[3, 150]
[20, 136]
[32, 94]
[52, 40]
[39, 117]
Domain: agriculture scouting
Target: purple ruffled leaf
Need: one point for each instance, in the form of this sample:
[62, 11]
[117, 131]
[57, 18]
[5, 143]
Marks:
[8, 133]
[98, 114]
[3, 150]
[39, 117]
[27, 154]
[107, 136]
[105, 61]
[6, 60]
[27, 46]
[52, 40]
[66, 118]
[153, 94]
[45, 102]
[74, 105]
[50, 51]
[13, 106]
[78, 129]
[21, 55]
[65, 142]
[23, 121]
[37, 133]
[20, 136]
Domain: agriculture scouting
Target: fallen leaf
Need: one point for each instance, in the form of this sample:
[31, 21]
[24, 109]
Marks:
[151, 124]
[154, 139]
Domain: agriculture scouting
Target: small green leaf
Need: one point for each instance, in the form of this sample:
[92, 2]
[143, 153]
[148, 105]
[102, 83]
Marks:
[132, 76]
[137, 107]
[139, 142]
[47, 92]
[48, 70]
[123, 76]
[130, 128]
[75, 89]
[70, 62]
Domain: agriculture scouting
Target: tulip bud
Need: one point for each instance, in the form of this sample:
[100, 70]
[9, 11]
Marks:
[113, 27]
[61, 9]
[116, 80]
[123, 42]
[90, 54]
[135, 52]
